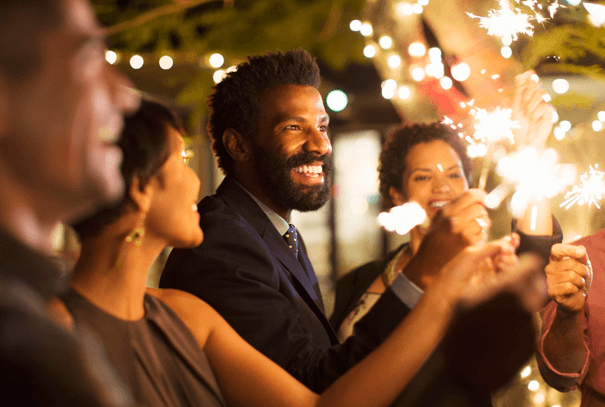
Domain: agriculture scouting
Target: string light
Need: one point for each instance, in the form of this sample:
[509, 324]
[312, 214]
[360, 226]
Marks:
[565, 125]
[404, 92]
[136, 61]
[394, 61]
[560, 86]
[366, 29]
[369, 51]
[111, 57]
[446, 82]
[385, 42]
[417, 49]
[417, 74]
[219, 75]
[166, 62]
[216, 60]
[355, 25]
[461, 71]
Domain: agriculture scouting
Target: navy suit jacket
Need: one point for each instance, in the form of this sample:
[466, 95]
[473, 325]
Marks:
[245, 270]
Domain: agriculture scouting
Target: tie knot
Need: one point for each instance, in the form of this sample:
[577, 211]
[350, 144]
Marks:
[292, 240]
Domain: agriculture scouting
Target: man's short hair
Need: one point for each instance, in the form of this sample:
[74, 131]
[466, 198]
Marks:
[235, 101]
[22, 25]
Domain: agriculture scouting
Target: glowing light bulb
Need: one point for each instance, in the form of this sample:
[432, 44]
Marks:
[565, 125]
[418, 74]
[136, 61]
[394, 61]
[166, 62]
[560, 86]
[385, 42]
[369, 51]
[355, 25]
[506, 52]
[404, 92]
[601, 116]
[446, 82]
[597, 125]
[216, 60]
[337, 100]
[417, 49]
[389, 84]
[111, 57]
[366, 29]
[388, 93]
[219, 75]
[461, 71]
[435, 55]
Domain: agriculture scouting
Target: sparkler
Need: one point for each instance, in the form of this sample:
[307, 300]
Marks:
[590, 191]
[495, 126]
[403, 218]
[533, 177]
[509, 22]
[506, 22]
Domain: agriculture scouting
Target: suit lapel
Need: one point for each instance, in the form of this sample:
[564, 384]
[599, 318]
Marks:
[243, 204]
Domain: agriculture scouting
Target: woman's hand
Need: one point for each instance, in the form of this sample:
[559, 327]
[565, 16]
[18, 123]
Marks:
[532, 111]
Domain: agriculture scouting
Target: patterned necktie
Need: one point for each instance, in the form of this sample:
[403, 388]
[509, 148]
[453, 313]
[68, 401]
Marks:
[292, 240]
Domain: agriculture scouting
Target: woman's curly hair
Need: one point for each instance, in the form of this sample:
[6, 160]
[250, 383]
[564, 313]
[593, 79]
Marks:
[393, 159]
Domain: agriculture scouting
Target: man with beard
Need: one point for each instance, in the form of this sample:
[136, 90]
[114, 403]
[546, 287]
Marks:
[269, 131]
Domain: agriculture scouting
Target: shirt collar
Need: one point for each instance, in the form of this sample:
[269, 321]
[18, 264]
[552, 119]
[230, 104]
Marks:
[280, 223]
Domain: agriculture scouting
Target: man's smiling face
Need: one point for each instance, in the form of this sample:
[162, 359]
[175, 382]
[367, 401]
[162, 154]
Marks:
[292, 151]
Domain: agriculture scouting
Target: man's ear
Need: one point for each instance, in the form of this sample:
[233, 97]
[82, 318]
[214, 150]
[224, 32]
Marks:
[396, 196]
[141, 196]
[238, 147]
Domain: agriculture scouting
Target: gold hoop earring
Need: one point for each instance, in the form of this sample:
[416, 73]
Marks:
[136, 236]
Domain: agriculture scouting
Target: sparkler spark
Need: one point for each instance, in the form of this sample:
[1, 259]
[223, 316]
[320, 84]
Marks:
[590, 191]
[403, 218]
[553, 7]
[506, 22]
[509, 23]
[492, 127]
[535, 176]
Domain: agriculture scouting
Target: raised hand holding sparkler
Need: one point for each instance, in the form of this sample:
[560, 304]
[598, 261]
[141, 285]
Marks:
[533, 171]
[531, 111]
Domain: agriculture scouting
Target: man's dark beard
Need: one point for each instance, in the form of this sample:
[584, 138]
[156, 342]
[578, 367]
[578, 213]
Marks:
[275, 173]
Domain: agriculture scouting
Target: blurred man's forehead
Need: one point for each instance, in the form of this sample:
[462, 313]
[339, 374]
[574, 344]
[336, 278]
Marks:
[79, 16]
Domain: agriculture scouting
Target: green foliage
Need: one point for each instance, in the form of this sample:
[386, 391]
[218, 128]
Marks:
[248, 27]
[579, 48]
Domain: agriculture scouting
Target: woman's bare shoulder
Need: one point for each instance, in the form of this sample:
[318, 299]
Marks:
[199, 317]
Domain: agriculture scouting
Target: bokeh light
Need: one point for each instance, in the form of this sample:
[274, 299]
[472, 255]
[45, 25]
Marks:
[337, 100]
[136, 62]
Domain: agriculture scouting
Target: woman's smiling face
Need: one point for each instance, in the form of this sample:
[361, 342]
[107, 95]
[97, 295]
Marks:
[434, 176]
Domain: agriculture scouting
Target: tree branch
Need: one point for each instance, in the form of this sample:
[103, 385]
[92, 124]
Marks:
[152, 14]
